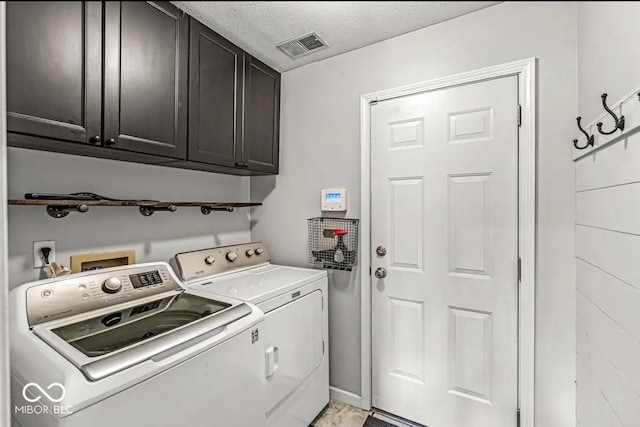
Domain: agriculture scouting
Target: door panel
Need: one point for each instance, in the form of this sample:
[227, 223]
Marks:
[54, 69]
[146, 48]
[262, 116]
[445, 205]
[216, 68]
[294, 346]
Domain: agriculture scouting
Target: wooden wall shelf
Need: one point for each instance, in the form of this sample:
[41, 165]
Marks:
[62, 208]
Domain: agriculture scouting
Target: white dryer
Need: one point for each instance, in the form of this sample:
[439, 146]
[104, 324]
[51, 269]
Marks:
[129, 346]
[294, 300]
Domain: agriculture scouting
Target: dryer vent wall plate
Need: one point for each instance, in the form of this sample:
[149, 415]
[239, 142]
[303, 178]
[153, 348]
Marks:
[334, 200]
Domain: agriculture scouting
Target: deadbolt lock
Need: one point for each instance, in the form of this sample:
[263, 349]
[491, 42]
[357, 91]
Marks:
[381, 251]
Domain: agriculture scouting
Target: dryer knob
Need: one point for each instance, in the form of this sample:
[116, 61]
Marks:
[231, 256]
[259, 251]
[112, 285]
[249, 252]
[209, 260]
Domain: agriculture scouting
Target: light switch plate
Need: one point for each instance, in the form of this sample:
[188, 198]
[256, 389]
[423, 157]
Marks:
[38, 261]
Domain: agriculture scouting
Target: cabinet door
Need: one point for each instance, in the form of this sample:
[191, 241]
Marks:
[261, 117]
[215, 98]
[145, 78]
[54, 69]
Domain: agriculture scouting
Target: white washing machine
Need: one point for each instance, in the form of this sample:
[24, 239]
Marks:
[294, 300]
[129, 347]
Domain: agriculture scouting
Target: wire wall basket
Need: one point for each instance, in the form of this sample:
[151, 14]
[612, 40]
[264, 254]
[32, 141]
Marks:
[333, 242]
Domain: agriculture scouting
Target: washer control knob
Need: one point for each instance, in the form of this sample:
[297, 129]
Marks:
[231, 256]
[249, 252]
[259, 251]
[112, 285]
[209, 260]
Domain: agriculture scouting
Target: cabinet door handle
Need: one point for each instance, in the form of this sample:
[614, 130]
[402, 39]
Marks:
[109, 142]
[95, 139]
[239, 165]
[245, 165]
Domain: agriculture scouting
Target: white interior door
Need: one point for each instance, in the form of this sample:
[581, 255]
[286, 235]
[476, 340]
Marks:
[444, 205]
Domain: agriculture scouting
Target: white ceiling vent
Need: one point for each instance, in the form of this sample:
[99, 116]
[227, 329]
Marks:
[302, 45]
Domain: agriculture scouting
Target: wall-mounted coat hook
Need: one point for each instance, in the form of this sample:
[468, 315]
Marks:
[619, 122]
[589, 137]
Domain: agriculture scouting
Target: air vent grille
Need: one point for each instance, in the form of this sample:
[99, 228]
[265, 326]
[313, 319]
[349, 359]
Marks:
[302, 45]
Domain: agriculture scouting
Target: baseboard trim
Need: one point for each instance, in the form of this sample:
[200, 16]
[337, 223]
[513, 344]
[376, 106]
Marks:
[345, 397]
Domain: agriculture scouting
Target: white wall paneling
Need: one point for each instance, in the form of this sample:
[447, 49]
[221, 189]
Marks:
[607, 277]
[320, 148]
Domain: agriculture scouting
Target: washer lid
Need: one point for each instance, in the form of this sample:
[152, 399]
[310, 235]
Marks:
[103, 345]
[261, 283]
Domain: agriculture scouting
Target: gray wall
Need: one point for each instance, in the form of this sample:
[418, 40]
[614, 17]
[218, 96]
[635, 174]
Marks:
[154, 238]
[320, 148]
[607, 33]
[608, 226]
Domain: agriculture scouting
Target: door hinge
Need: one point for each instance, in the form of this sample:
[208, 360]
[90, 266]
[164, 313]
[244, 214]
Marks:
[519, 115]
[322, 347]
[322, 303]
[518, 418]
[519, 269]
[369, 271]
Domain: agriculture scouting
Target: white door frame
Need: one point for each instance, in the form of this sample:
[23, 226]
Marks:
[526, 72]
[4, 279]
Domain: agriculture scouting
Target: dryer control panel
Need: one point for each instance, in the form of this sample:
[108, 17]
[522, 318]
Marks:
[67, 296]
[221, 260]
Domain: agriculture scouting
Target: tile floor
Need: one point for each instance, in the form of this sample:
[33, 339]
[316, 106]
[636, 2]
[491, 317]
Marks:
[338, 414]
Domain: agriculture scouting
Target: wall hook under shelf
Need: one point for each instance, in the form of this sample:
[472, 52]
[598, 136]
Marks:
[150, 210]
[62, 211]
[619, 122]
[590, 138]
[206, 210]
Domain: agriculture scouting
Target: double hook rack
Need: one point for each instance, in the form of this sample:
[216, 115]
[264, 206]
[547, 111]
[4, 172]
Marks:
[618, 125]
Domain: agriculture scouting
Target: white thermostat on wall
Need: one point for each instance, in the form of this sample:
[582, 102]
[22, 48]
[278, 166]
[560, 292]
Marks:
[334, 200]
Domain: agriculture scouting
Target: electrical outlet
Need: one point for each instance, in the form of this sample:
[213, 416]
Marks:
[38, 258]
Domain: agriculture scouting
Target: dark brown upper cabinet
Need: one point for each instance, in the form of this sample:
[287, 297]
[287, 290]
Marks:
[216, 68]
[261, 117]
[140, 82]
[145, 78]
[54, 70]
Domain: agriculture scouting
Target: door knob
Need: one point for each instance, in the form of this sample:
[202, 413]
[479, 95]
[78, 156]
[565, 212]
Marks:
[381, 273]
[381, 251]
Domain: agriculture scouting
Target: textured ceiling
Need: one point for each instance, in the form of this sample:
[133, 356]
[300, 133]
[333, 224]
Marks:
[257, 27]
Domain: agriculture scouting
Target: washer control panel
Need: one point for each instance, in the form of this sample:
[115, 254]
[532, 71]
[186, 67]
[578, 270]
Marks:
[78, 293]
[221, 260]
